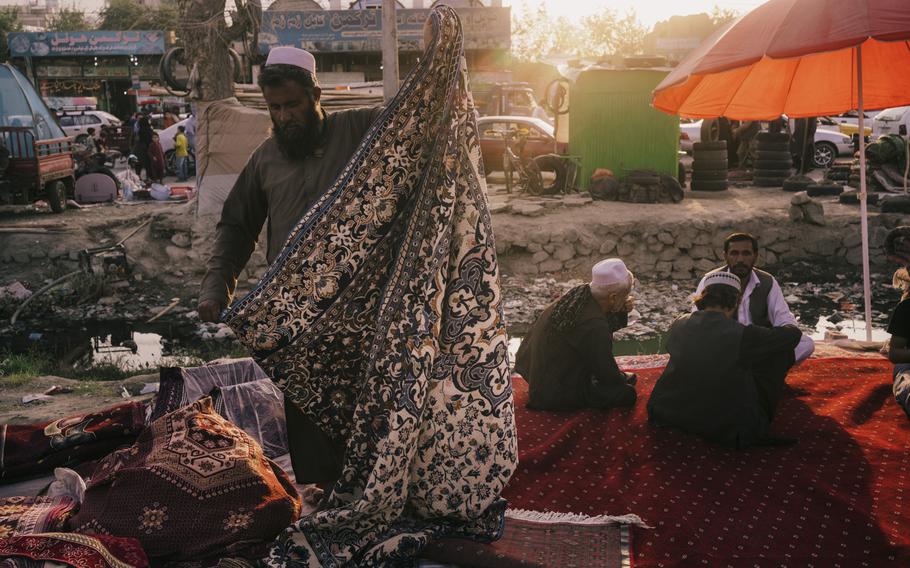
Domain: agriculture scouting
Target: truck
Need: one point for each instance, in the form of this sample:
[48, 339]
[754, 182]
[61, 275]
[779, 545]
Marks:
[36, 157]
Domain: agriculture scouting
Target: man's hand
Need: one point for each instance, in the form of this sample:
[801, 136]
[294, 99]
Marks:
[629, 304]
[209, 310]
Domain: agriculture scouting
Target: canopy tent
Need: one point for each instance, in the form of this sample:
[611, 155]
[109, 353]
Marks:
[800, 58]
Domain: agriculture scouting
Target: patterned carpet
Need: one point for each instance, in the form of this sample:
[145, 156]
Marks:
[833, 499]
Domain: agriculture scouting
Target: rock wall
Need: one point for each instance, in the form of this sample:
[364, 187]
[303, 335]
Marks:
[683, 251]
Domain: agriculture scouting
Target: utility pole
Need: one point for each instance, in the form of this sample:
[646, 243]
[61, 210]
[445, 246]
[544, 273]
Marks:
[389, 50]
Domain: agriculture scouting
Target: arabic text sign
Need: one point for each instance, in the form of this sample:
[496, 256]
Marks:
[56, 44]
[325, 31]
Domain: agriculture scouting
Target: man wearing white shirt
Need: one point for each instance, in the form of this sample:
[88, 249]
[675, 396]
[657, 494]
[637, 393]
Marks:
[762, 299]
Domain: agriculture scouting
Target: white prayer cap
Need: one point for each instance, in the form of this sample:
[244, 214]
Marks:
[292, 56]
[722, 277]
[610, 271]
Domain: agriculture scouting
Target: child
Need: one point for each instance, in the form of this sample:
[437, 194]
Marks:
[155, 160]
[897, 249]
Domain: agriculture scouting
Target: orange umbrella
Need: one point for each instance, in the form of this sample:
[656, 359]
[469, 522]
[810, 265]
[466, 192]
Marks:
[800, 58]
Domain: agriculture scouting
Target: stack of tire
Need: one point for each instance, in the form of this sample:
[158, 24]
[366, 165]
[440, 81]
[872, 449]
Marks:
[709, 166]
[773, 161]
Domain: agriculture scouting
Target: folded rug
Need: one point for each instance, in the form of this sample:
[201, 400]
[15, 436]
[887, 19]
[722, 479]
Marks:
[30, 449]
[76, 550]
[382, 321]
[833, 499]
[28, 515]
[534, 539]
[193, 485]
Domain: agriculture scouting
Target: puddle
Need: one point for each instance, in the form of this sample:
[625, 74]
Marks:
[122, 345]
[852, 328]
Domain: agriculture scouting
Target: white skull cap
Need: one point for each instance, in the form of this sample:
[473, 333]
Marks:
[292, 56]
[610, 271]
[727, 278]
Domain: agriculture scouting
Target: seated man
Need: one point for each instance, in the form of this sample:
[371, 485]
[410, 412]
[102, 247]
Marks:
[567, 357]
[897, 249]
[763, 301]
[724, 378]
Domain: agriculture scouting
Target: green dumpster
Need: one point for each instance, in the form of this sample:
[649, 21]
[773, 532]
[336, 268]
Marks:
[612, 124]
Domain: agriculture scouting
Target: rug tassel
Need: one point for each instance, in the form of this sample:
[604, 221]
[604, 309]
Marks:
[575, 518]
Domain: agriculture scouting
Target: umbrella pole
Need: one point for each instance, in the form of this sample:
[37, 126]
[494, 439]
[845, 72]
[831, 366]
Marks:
[864, 214]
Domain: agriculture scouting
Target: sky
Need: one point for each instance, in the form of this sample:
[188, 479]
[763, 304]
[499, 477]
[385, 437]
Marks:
[648, 11]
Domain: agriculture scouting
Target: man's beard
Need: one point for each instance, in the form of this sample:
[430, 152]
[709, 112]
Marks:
[741, 270]
[298, 139]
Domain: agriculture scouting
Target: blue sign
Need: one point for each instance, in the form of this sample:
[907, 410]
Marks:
[327, 31]
[101, 43]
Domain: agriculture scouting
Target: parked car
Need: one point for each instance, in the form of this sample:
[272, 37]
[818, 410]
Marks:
[848, 128]
[829, 145]
[35, 154]
[166, 139]
[78, 122]
[510, 99]
[539, 134]
[689, 134]
[890, 121]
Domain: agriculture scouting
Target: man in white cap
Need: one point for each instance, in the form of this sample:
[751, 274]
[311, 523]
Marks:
[763, 301]
[724, 378]
[285, 175]
[567, 356]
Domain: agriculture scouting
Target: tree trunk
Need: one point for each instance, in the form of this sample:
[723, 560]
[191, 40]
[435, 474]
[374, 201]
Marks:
[207, 38]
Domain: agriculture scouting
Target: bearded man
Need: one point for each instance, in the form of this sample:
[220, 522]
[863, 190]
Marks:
[763, 302]
[306, 151]
[285, 175]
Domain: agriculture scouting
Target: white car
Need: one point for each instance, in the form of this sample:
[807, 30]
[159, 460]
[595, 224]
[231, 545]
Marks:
[78, 122]
[829, 144]
[890, 120]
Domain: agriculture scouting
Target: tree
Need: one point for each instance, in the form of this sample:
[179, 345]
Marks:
[720, 16]
[68, 20]
[536, 34]
[128, 15]
[9, 22]
[206, 37]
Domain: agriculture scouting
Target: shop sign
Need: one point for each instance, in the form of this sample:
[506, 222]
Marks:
[361, 30]
[98, 43]
[106, 71]
[58, 71]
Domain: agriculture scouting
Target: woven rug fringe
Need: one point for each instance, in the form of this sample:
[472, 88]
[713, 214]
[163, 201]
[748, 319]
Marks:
[575, 518]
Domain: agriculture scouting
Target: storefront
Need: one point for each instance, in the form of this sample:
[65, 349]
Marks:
[348, 42]
[109, 66]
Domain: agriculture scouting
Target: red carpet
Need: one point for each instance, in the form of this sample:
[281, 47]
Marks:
[833, 499]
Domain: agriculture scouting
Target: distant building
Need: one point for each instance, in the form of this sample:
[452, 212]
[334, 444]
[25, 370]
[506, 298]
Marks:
[34, 17]
[676, 37]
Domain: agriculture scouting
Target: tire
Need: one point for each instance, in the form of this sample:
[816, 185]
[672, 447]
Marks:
[555, 164]
[772, 165]
[709, 175]
[709, 154]
[768, 181]
[773, 147]
[713, 145]
[709, 185]
[777, 137]
[825, 154]
[55, 191]
[712, 165]
[776, 155]
[772, 173]
[817, 189]
[673, 187]
[710, 130]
